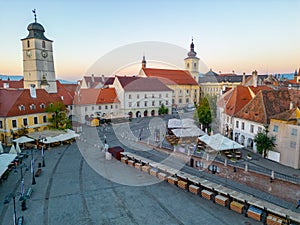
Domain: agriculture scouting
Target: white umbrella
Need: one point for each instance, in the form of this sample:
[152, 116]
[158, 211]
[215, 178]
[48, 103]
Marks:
[23, 139]
[18, 150]
[12, 150]
[219, 143]
[1, 147]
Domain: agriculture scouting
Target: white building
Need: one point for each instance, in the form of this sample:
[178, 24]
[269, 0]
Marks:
[141, 96]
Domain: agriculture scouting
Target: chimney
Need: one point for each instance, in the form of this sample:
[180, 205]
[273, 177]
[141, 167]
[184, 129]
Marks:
[254, 78]
[244, 79]
[93, 78]
[32, 91]
[144, 62]
[291, 105]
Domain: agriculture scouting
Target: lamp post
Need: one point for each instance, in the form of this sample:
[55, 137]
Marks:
[42, 139]
[22, 181]
[7, 200]
[32, 168]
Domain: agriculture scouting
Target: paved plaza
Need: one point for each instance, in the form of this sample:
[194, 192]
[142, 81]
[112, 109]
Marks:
[69, 191]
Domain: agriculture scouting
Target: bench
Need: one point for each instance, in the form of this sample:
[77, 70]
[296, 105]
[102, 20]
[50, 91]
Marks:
[29, 192]
[38, 172]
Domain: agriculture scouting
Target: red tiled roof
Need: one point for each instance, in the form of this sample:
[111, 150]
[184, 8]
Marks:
[287, 115]
[11, 100]
[12, 83]
[142, 84]
[65, 95]
[96, 96]
[181, 77]
[238, 99]
[264, 105]
[258, 88]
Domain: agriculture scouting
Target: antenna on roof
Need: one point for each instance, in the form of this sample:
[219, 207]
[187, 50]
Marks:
[34, 13]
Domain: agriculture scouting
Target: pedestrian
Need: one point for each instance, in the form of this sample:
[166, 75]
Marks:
[298, 204]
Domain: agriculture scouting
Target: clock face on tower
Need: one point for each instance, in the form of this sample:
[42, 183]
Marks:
[44, 53]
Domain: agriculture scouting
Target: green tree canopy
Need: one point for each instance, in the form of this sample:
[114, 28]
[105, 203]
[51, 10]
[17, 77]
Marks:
[163, 110]
[264, 142]
[203, 113]
[59, 118]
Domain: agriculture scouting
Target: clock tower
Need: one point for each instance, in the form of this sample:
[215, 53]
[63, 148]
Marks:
[38, 65]
[192, 62]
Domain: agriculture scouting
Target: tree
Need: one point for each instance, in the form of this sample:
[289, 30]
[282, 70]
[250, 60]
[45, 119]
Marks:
[163, 110]
[203, 113]
[264, 143]
[59, 118]
[23, 131]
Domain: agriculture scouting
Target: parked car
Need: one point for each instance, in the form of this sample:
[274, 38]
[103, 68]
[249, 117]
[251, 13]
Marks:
[190, 108]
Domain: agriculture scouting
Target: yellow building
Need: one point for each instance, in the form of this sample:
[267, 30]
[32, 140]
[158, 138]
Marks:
[286, 128]
[23, 108]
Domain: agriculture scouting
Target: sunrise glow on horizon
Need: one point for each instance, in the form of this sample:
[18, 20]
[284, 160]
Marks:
[240, 36]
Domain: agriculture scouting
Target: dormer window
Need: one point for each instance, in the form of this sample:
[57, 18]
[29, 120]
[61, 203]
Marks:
[32, 106]
[42, 106]
[21, 107]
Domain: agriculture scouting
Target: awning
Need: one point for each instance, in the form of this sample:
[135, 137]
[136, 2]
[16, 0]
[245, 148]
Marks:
[220, 143]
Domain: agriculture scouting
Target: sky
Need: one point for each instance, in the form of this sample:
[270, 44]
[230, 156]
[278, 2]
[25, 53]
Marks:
[229, 35]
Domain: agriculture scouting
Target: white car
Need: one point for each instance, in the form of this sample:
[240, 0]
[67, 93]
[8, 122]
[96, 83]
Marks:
[190, 108]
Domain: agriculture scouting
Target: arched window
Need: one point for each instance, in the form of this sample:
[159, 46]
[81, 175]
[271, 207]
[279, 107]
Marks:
[195, 65]
[187, 65]
[28, 44]
[43, 44]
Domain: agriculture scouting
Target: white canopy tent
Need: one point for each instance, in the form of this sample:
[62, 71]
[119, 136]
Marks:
[67, 136]
[5, 160]
[220, 143]
[184, 123]
[23, 140]
[18, 150]
[50, 140]
[12, 150]
[188, 132]
[1, 147]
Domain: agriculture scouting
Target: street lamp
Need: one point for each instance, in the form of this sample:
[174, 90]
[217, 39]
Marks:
[32, 168]
[42, 139]
[22, 180]
[7, 200]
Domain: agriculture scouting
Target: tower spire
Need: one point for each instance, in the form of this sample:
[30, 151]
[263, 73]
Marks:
[34, 13]
[144, 62]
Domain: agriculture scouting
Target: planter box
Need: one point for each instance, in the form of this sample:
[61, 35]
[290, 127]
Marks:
[237, 207]
[182, 184]
[172, 180]
[221, 200]
[146, 168]
[130, 162]
[206, 194]
[138, 166]
[194, 189]
[162, 176]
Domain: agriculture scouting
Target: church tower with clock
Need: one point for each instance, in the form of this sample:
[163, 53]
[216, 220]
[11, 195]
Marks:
[38, 65]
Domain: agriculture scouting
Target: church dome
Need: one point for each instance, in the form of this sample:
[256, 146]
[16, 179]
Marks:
[192, 52]
[36, 27]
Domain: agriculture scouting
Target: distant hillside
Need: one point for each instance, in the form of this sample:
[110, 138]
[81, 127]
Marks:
[18, 77]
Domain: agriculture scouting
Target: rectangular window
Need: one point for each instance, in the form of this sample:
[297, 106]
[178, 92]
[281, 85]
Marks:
[99, 107]
[159, 95]
[35, 120]
[14, 123]
[180, 100]
[187, 100]
[167, 95]
[138, 104]
[145, 95]
[259, 129]
[129, 104]
[294, 132]
[160, 102]
[116, 106]
[129, 96]
[137, 96]
[71, 107]
[106, 107]
[145, 104]
[237, 124]
[111, 106]
[25, 122]
[292, 144]
[85, 109]
[275, 128]
[243, 126]
[173, 101]
[167, 102]
[152, 95]
[92, 108]
[153, 103]
[44, 119]
[187, 92]
[251, 128]
[1, 124]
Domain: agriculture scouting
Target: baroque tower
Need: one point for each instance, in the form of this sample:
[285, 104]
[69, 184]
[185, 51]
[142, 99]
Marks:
[192, 63]
[38, 65]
